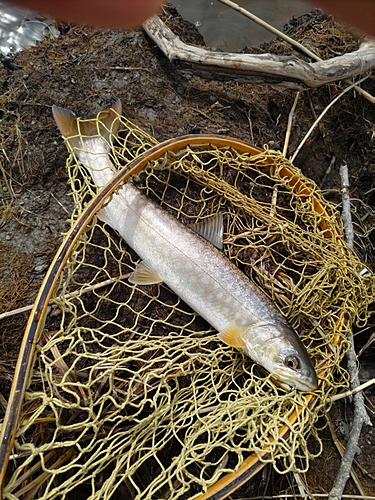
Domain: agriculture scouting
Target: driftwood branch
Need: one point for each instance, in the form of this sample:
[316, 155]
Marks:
[286, 71]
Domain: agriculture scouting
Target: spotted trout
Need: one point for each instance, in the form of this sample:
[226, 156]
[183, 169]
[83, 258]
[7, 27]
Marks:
[189, 260]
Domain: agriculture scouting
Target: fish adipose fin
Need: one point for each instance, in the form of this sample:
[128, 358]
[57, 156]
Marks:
[232, 336]
[143, 274]
[105, 125]
[211, 229]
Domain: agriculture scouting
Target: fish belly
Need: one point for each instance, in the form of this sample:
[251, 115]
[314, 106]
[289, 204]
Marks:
[194, 269]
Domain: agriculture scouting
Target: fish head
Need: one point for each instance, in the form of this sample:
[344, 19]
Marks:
[283, 354]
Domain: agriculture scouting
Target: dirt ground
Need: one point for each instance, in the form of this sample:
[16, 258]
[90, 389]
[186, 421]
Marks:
[86, 70]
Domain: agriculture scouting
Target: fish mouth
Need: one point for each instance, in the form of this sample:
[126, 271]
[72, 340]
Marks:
[300, 385]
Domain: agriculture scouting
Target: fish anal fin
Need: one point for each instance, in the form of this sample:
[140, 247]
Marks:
[211, 229]
[231, 336]
[143, 274]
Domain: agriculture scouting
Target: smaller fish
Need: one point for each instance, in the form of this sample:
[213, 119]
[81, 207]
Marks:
[189, 260]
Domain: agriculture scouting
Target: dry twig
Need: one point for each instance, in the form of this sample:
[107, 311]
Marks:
[360, 417]
[68, 295]
[290, 123]
[323, 113]
[270, 28]
[351, 392]
[341, 450]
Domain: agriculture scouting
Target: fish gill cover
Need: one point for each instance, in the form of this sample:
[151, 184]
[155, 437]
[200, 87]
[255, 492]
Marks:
[131, 387]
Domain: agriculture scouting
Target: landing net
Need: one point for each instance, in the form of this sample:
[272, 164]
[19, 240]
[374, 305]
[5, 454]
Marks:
[132, 395]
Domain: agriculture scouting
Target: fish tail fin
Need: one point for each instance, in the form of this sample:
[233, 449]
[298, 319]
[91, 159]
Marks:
[75, 130]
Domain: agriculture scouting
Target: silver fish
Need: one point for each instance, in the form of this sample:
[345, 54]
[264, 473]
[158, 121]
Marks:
[197, 271]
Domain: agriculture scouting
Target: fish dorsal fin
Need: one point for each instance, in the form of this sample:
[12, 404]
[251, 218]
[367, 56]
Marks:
[74, 130]
[231, 336]
[211, 229]
[143, 274]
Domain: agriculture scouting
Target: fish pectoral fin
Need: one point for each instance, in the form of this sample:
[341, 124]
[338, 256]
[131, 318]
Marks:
[143, 274]
[211, 229]
[232, 336]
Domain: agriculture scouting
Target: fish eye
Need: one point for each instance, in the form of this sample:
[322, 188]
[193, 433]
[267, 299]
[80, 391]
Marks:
[292, 362]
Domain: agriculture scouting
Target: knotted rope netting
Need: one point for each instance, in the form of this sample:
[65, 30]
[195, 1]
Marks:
[131, 394]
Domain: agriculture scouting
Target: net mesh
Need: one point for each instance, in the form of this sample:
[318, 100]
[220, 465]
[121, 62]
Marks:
[132, 395]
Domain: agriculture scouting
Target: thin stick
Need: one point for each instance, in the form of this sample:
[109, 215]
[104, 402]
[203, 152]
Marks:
[68, 295]
[251, 127]
[270, 28]
[13, 312]
[301, 487]
[285, 149]
[341, 450]
[370, 341]
[274, 201]
[346, 213]
[323, 113]
[290, 123]
[360, 416]
[332, 162]
[351, 392]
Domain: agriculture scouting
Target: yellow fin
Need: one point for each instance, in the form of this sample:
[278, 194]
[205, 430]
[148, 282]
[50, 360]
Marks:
[143, 274]
[232, 336]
